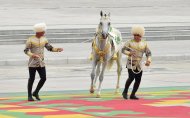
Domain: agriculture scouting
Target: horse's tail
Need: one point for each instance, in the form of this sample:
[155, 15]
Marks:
[110, 64]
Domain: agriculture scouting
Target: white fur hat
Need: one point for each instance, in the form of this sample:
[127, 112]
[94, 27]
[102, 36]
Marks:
[138, 29]
[40, 27]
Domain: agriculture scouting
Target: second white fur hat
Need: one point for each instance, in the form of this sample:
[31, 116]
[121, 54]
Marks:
[40, 27]
[138, 29]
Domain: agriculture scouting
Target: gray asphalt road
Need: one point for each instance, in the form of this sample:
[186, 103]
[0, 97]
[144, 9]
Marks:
[77, 77]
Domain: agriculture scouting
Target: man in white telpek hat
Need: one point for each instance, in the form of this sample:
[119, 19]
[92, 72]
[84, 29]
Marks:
[134, 49]
[35, 50]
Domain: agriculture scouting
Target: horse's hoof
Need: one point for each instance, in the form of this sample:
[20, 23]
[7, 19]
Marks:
[97, 96]
[91, 91]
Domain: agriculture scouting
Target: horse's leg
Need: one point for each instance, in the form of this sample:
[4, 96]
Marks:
[97, 74]
[119, 69]
[93, 75]
[101, 77]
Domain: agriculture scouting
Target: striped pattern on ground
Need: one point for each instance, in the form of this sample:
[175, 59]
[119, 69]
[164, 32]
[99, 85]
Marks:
[154, 102]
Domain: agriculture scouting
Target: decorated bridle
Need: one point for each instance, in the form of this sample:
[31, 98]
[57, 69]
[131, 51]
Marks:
[101, 35]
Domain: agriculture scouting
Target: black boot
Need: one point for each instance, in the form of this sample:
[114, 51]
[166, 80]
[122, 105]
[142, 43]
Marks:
[134, 97]
[35, 94]
[125, 96]
[30, 98]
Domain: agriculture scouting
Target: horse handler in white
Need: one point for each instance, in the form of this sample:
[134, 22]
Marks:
[35, 50]
[134, 49]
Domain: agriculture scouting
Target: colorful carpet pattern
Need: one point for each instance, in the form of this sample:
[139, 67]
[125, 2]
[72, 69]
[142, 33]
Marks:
[173, 102]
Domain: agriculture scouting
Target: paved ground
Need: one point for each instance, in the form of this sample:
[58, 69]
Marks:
[77, 77]
[78, 53]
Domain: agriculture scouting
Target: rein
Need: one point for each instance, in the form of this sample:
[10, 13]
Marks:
[132, 65]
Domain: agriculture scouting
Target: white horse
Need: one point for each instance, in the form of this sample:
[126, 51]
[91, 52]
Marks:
[106, 48]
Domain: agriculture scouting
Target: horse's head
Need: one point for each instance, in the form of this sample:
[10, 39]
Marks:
[104, 24]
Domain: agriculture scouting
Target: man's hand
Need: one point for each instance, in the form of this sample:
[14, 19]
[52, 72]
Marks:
[35, 56]
[59, 49]
[147, 63]
[132, 53]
